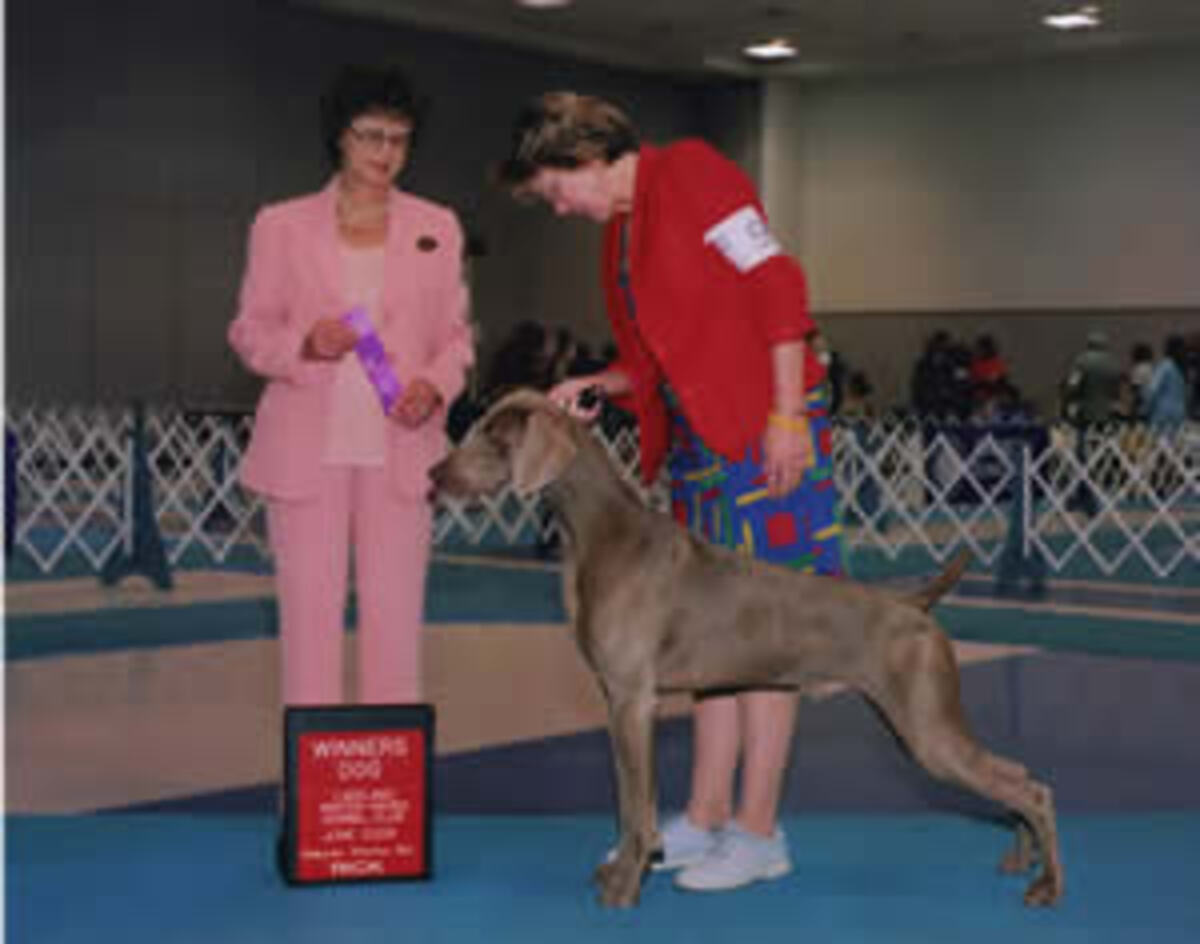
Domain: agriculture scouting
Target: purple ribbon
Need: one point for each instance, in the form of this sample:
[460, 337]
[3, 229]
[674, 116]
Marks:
[372, 356]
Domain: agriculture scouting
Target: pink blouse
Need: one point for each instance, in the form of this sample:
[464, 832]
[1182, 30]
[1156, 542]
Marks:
[356, 420]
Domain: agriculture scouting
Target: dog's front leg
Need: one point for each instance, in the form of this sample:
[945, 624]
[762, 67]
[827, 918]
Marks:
[631, 728]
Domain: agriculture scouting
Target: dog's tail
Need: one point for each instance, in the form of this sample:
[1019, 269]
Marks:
[933, 591]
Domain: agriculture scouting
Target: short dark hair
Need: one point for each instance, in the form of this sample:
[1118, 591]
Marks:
[985, 345]
[565, 130]
[357, 90]
[1175, 348]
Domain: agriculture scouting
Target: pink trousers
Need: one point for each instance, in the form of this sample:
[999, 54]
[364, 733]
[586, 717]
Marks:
[311, 542]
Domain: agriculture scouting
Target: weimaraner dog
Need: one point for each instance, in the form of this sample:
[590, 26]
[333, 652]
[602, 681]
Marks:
[655, 609]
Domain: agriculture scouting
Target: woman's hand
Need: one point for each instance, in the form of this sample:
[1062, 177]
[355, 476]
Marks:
[787, 443]
[416, 404]
[329, 339]
[787, 452]
[569, 393]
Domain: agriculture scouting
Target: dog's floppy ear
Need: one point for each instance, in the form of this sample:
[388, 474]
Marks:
[544, 451]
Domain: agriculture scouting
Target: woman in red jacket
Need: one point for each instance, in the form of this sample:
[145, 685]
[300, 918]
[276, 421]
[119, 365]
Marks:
[716, 361]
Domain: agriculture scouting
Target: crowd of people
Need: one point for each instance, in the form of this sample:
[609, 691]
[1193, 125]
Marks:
[1163, 393]
[959, 381]
[953, 379]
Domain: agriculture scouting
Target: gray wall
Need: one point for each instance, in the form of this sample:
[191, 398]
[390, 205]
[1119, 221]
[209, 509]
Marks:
[142, 136]
[1035, 203]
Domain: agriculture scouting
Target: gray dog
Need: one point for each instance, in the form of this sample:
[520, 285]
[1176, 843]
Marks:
[654, 609]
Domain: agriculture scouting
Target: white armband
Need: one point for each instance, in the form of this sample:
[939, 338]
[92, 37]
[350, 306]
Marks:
[743, 239]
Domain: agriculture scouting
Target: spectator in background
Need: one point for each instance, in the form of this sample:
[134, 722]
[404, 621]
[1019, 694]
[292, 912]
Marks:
[987, 368]
[560, 352]
[1192, 372]
[941, 382]
[958, 405]
[1006, 405]
[585, 362]
[857, 404]
[835, 372]
[1092, 389]
[1166, 397]
[520, 360]
[1091, 394]
[1141, 370]
[933, 378]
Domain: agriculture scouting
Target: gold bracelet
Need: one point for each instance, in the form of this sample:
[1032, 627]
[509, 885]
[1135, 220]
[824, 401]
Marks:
[796, 422]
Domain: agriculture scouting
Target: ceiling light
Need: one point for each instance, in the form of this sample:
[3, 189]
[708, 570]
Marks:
[771, 51]
[544, 4]
[1087, 17]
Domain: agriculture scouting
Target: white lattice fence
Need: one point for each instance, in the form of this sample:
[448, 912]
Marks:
[71, 477]
[199, 505]
[1124, 494]
[1114, 498]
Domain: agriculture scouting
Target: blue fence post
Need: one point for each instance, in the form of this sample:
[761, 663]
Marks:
[147, 555]
[1017, 562]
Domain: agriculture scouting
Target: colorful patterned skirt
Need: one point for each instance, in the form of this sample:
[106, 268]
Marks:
[727, 503]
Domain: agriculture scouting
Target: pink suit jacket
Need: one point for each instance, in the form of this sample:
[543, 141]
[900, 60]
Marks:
[293, 277]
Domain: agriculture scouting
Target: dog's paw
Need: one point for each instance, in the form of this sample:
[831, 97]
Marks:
[617, 886]
[1045, 890]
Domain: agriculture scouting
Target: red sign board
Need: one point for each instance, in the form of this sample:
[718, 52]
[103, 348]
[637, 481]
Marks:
[357, 793]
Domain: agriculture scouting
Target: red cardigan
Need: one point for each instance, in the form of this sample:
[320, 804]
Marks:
[701, 321]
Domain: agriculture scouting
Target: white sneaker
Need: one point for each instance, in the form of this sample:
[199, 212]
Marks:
[740, 858]
[682, 844]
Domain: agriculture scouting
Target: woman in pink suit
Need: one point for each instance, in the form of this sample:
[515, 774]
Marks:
[336, 470]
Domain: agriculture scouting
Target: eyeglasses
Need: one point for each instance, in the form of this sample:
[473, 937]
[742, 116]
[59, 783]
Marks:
[376, 138]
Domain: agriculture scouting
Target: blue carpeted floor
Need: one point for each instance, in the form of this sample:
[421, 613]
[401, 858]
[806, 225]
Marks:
[925, 879]
[470, 592]
[1063, 715]
[882, 854]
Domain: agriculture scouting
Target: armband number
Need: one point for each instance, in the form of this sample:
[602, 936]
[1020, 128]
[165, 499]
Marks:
[744, 239]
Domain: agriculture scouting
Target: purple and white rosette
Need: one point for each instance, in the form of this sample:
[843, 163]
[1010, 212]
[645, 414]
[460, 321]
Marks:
[372, 356]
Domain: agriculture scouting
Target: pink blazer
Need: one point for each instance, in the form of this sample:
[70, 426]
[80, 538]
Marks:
[293, 277]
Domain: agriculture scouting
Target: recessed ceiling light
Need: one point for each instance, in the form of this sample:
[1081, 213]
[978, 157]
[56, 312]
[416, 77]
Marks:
[544, 4]
[771, 51]
[1086, 17]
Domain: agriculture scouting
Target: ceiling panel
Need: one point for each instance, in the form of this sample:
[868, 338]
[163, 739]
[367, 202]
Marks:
[698, 37]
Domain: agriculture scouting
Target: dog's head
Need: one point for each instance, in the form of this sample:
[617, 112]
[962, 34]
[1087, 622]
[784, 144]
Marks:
[523, 440]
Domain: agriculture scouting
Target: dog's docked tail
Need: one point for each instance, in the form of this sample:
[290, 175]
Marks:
[933, 591]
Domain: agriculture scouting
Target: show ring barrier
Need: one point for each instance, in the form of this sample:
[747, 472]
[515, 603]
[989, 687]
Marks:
[1025, 499]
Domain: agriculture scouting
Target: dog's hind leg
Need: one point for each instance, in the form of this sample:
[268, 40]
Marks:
[1023, 855]
[631, 728]
[919, 694]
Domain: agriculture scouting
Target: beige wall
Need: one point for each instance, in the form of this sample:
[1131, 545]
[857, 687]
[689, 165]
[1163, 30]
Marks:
[1035, 203]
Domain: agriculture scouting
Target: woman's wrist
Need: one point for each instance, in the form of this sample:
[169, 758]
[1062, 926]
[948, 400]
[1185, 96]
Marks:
[794, 420]
[614, 383]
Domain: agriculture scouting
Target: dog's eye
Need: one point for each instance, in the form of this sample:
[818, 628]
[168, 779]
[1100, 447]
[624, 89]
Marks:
[497, 442]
